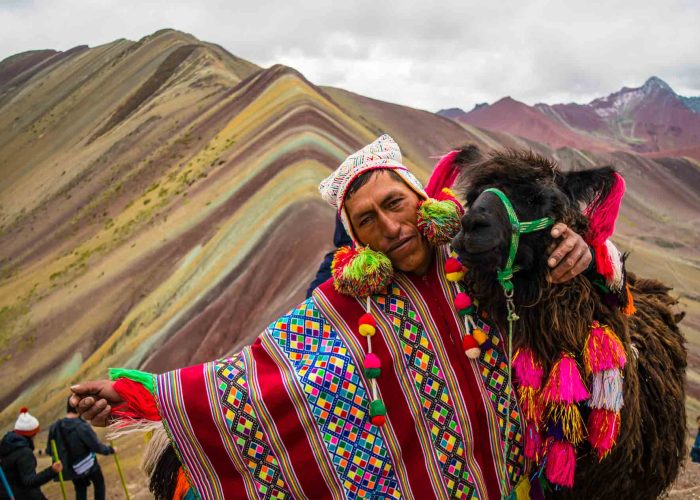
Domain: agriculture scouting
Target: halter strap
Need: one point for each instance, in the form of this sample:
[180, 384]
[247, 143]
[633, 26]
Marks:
[505, 275]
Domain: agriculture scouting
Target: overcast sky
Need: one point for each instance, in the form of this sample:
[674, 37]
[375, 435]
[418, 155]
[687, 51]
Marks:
[430, 55]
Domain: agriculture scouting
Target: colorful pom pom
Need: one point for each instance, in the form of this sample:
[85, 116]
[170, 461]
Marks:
[455, 277]
[24, 409]
[367, 325]
[377, 408]
[565, 384]
[439, 221]
[378, 420]
[533, 442]
[372, 366]
[453, 265]
[479, 335]
[360, 272]
[528, 371]
[561, 464]
[462, 301]
[603, 350]
[568, 418]
[603, 429]
[470, 347]
[531, 403]
[606, 390]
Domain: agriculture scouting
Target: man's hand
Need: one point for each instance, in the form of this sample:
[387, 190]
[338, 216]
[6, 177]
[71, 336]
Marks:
[57, 467]
[571, 256]
[95, 400]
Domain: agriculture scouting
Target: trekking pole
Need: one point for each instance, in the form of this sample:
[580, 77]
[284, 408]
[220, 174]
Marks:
[6, 484]
[60, 474]
[119, 470]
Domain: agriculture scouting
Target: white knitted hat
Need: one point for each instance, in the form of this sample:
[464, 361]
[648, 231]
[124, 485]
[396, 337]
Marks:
[383, 153]
[27, 424]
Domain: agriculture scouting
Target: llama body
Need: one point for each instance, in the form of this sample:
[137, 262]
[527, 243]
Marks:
[557, 318]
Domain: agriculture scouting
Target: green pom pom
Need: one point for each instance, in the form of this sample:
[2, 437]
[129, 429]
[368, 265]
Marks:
[439, 221]
[468, 311]
[373, 372]
[377, 408]
[366, 273]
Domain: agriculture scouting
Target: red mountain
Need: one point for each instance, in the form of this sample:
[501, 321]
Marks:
[648, 119]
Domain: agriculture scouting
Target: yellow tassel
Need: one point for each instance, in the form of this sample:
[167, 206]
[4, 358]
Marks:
[571, 422]
[530, 403]
[367, 330]
[454, 277]
[522, 489]
[479, 335]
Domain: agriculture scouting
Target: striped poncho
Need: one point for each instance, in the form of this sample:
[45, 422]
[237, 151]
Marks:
[288, 416]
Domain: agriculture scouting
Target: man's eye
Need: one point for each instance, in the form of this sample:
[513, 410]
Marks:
[364, 221]
[395, 202]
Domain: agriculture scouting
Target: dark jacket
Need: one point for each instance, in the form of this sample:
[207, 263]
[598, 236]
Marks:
[75, 440]
[695, 450]
[340, 239]
[19, 464]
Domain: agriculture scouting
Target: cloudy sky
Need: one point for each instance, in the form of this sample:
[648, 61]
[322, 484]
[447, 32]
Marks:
[426, 54]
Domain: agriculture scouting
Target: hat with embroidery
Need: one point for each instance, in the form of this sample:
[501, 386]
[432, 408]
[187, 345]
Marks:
[26, 424]
[360, 270]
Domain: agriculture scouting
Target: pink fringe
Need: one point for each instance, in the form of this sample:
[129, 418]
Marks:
[528, 371]
[565, 384]
[602, 215]
[443, 176]
[603, 429]
[561, 464]
[533, 442]
[604, 350]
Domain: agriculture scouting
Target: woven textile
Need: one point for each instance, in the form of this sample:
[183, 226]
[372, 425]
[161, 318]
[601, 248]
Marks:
[288, 416]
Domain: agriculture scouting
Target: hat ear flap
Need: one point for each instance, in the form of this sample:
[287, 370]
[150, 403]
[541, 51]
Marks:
[439, 218]
[362, 272]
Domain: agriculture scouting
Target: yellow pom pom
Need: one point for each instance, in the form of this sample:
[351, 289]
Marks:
[367, 330]
[479, 335]
[455, 276]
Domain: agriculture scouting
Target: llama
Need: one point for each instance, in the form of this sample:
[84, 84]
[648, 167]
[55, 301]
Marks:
[638, 453]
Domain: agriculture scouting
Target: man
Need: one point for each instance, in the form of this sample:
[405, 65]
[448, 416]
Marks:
[19, 463]
[77, 445]
[360, 391]
[695, 450]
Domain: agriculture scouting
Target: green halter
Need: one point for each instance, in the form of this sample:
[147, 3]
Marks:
[505, 275]
[505, 278]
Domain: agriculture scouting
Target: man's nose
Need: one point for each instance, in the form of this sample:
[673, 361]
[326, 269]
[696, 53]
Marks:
[391, 228]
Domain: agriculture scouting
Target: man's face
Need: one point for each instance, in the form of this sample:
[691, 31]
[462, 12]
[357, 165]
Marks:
[384, 215]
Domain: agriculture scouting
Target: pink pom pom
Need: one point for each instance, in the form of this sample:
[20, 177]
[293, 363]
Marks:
[528, 371]
[533, 442]
[372, 361]
[603, 350]
[462, 301]
[565, 384]
[561, 464]
[603, 429]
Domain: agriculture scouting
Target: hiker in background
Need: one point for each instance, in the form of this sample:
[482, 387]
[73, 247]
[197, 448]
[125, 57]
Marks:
[19, 463]
[77, 446]
[695, 451]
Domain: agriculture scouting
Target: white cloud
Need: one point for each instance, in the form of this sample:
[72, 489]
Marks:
[424, 54]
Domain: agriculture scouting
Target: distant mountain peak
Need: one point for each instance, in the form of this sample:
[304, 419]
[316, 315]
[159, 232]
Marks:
[654, 83]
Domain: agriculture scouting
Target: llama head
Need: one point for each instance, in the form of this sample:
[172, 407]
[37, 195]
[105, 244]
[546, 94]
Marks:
[536, 188]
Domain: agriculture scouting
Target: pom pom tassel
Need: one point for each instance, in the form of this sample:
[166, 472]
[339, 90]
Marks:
[603, 350]
[360, 273]
[607, 390]
[565, 384]
[528, 371]
[561, 464]
[533, 443]
[603, 429]
[439, 221]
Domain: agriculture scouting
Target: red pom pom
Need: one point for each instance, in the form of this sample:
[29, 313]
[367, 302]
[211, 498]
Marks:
[378, 420]
[24, 409]
[367, 319]
[462, 301]
[453, 265]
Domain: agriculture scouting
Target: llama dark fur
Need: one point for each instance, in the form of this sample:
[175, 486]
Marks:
[557, 317]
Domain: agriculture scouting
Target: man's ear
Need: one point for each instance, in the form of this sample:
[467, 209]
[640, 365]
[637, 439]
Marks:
[586, 187]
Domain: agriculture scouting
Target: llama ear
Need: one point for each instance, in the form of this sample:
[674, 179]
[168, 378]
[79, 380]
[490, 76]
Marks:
[588, 186]
[468, 155]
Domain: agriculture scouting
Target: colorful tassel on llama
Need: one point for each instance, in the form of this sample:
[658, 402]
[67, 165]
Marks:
[604, 358]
